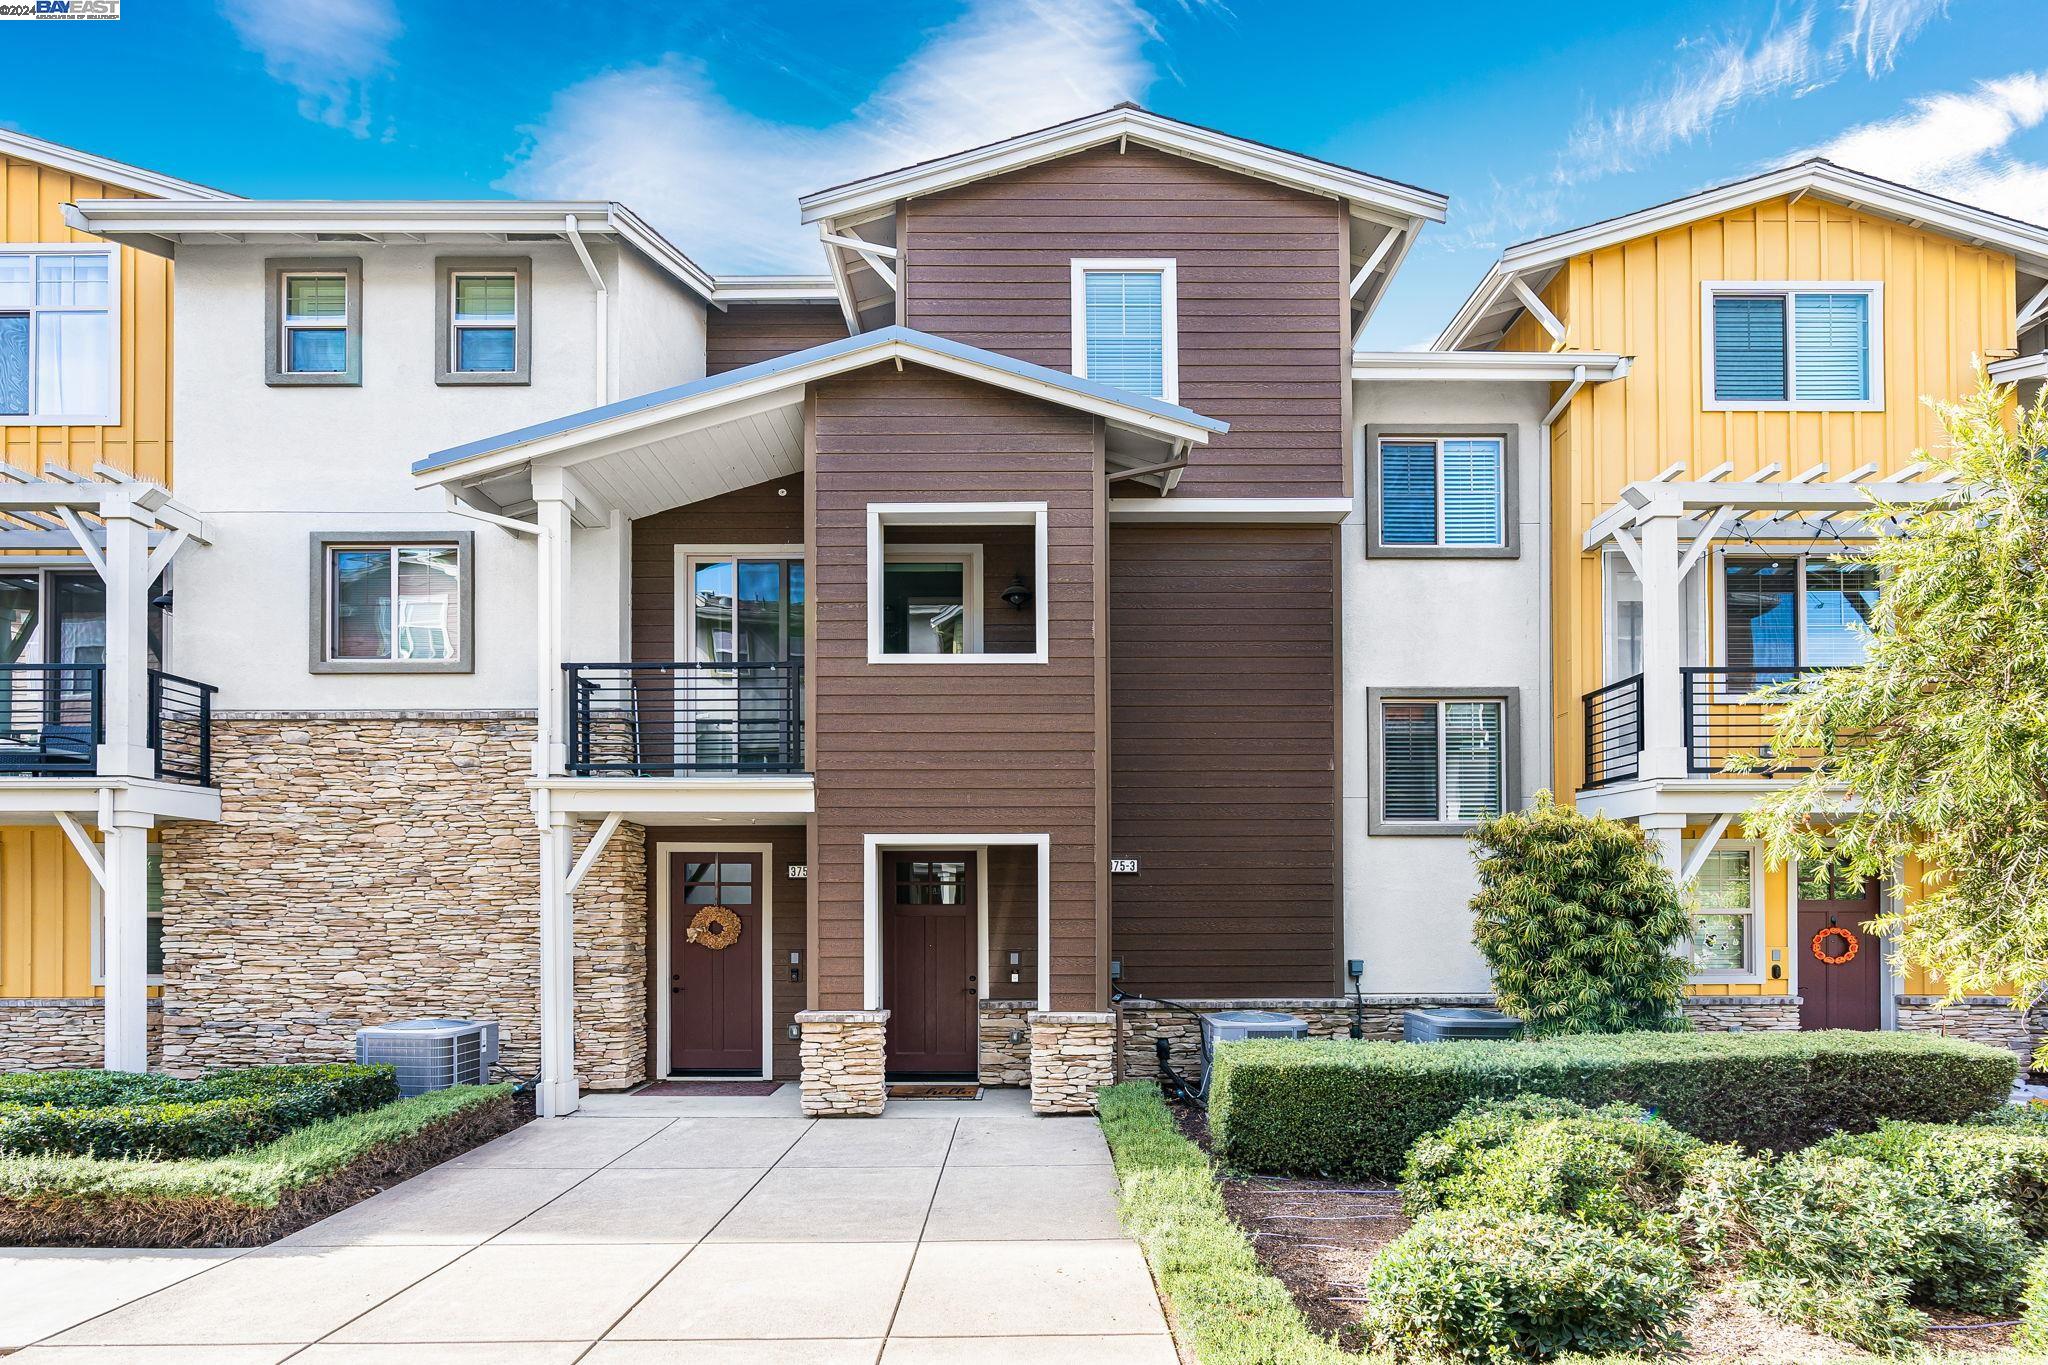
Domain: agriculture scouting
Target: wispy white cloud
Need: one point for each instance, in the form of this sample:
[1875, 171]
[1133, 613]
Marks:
[329, 52]
[1877, 29]
[724, 182]
[1958, 143]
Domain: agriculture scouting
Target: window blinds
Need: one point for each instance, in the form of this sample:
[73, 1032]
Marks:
[1472, 492]
[1749, 348]
[1472, 779]
[1126, 329]
[1408, 493]
[1831, 343]
[1442, 760]
[1409, 749]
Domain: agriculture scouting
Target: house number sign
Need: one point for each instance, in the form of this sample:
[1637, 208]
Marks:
[1117, 865]
[798, 872]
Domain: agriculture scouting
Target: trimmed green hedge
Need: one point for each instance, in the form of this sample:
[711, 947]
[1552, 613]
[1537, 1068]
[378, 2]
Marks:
[1963, 1162]
[1352, 1109]
[128, 1116]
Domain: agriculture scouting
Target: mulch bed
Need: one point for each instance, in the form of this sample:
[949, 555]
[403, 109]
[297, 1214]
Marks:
[213, 1222]
[1319, 1238]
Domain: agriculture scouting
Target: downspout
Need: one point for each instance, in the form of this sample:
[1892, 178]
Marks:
[603, 349]
[1545, 673]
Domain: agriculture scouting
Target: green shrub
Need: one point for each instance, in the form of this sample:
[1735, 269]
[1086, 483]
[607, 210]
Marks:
[1617, 1167]
[1965, 1162]
[2033, 1333]
[1482, 1284]
[1845, 1246]
[2031, 1116]
[1353, 1109]
[115, 1115]
[1578, 922]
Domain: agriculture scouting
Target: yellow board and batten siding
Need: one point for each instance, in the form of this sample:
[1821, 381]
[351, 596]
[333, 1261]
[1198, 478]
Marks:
[1945, 302]
[45, 892]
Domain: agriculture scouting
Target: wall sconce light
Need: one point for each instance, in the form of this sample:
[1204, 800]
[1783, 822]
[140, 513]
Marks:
[1017, 594]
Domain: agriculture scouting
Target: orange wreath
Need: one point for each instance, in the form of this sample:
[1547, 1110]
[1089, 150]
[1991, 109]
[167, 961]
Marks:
[1836, 959]
[714, 927]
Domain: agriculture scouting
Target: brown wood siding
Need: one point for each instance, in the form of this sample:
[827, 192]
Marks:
[792, 920]
[1012, 922]
[1223, 693]
[963, 748]
[769, 513]
[1260, 273]
[746, 333]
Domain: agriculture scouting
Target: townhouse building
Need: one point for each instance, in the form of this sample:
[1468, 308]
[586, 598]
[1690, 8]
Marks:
[923, 671]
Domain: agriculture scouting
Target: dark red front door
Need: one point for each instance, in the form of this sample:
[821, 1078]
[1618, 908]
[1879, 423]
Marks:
[1840, 994]
[714, 1003]
[929, 981]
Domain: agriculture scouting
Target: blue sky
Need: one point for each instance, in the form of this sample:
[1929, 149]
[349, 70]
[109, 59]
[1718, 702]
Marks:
[709, 117]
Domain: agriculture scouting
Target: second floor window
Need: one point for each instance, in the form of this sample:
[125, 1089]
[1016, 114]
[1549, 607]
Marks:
[1792, 347]
[315, 324]
[1443, 492]
[1125, 330]
[486, 324]
[57, 338]
[1790, 611]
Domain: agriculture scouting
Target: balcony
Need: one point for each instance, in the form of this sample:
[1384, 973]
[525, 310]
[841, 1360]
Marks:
[685, 719]
[53, 720]
[1721, 716]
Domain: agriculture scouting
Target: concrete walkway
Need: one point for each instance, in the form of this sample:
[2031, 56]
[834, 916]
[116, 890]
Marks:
[681, 1231]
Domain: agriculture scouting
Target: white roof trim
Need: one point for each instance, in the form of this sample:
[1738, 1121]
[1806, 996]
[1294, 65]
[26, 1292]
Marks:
[1171, 135]
[71, 161]
[157, 224]
[2018, 368]
[2025, 241]
[774, 289]
[1549, 367]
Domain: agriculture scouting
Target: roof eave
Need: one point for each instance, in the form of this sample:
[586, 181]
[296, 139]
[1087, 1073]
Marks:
[1545, 367]
[107, 171]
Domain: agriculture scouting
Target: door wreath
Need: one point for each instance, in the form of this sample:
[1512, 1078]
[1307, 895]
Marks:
[1847, 954]
[714, 927]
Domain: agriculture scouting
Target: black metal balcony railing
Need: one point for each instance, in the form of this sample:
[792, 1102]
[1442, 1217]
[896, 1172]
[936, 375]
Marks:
[1725, 716]
[181, 728]
[1614, 732]
[668, 719]
[51, 723]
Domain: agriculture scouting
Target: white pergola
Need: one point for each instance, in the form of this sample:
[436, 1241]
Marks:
[127, 530]
[1664, 526]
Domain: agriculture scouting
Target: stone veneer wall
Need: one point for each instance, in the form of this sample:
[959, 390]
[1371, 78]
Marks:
[49, 1033]
[1005, 1050]
[1743, 1013]
[1073, 1054]
[379, 866]
[1145, 1021]
[841, 1052]
[1978, 1018]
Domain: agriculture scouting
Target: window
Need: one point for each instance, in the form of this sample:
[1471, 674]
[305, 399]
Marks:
[1791, 611]
[744, 614]
[153, 875]
[392, 604]
[1724, 923]
[314, 331]
[957, 583]
[1814, 346]
[1623, 645]
[1446, 493]
[484, 307]
[1125, 329]
[1439, 763]
[59, 352]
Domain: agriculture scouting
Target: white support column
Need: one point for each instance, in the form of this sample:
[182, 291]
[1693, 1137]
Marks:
[1667, 838]
[124, 919]
[125, 751]
[559, 1094]
[1663, 647]
[552, 509]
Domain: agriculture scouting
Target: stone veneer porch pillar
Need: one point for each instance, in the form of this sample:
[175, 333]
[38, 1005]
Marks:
[1073, 1054]
[841, 1057]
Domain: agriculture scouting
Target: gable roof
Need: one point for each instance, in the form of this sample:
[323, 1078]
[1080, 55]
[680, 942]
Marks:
[787, 374]
[1492, 307]
[72, 161]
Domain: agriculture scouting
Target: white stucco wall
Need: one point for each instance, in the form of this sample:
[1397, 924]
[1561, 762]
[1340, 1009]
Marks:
[1427, 623]
[661, 329]
[269, 467]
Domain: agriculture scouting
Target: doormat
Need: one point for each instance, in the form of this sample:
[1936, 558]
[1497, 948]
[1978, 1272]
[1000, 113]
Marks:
[710, 1088]
[934, 1090]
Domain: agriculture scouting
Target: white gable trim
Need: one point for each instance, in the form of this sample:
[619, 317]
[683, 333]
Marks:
[71, 161]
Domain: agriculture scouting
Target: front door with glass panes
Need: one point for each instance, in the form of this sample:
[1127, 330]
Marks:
[53, 647]
[739, 703]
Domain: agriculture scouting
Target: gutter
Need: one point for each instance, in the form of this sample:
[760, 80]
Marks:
[603, 296]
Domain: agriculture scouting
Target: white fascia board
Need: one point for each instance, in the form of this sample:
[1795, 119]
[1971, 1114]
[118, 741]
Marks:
[1169, 135]
[786, 798]
[1548, 367]
[2020, 367]
[71, 161]
[1328, 511]
[774, 289]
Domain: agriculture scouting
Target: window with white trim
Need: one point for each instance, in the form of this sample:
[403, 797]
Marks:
[1125, 329]
[59, 344]
[483, 326]
[153, 883]
[957, 583]
[1442, 491]
[1790, 611]
[1442, 761]
[1728, 896]
[1812, 346]
[314, 325]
